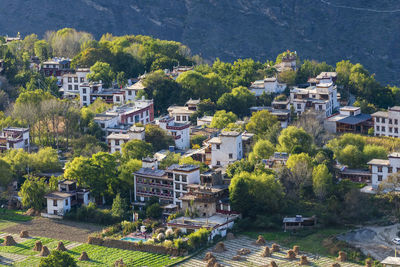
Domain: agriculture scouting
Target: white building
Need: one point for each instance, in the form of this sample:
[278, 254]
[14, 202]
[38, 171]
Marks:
[205, 120]
[132, 91]
[183, 176]
[382, 168]
[14, 137]
[115, 141]
[183, 113]
[68, 195]
[71, 82]
[386, 123]
[180, 131]
[226, 148]
[268, 86]
[322, 97]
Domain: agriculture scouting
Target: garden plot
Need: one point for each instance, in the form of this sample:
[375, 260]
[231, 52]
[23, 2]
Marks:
[255, 258]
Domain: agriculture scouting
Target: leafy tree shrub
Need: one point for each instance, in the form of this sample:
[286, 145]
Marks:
[58, 259]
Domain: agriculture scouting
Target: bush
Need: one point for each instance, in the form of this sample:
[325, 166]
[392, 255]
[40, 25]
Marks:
[58, 259]
[198, 239]
[130, 227]
[92, 214]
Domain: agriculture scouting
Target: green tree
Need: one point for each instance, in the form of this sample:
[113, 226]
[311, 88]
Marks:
[170, 158]
[45, 160]
[126, 170]
[154, 211]
[119, 207]
[221, 119]
[157, 137]
[58, 259]
[294, 140]
[121, 79]
[32, 193]
[288, 77]
[374, 152]
[101, 71]
[322, 181]
[263, 149]
[5, 173]
[261, 122]
[42, 50]
[238, 101]
[136, 149]
[351, 156]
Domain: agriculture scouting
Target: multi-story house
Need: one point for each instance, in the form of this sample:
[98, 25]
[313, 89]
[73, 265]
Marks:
[349, 120]
[68, 195]
[90, 91]
[14, 137]
[56, 67]
[72, 81]
[167, 185]
[268, 86]
[132, 91]
[386, 123]
[382, 168]
[182, 114]
[321, 98]
[116, 140]
[179, 130]
[139, 111]
[224, 149]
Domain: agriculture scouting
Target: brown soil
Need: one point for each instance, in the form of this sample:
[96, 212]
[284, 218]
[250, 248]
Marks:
[57, 229]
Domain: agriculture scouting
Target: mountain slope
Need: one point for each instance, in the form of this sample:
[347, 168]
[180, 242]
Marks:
[363, 31]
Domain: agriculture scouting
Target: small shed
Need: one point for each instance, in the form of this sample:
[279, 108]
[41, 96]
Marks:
[299, 222]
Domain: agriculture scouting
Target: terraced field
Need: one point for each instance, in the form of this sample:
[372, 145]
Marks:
[22, 254]
[255, 258]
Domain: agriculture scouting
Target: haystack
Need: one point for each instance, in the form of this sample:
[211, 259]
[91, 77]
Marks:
[84, 256]
[304, 260]
[61, 246]
[220, 247]
[291, 255]
[237, 258]
[273, 264]
[368, 263]
[335, 265]
[266, 252]
[230, 236]
[9, 241]
[243, 251]
[296, 250]
[260, 240]
[211, 262]
[342, 256]
[24, 234]
[275, 248]
[38, 246]
[208, 256]
[44, 252]
[119, 263]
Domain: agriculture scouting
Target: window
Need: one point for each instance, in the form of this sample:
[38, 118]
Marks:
[55, 202]
[84, 90]
[184, 178]
[177, 194]
[298, 106]
[377, 128]
[205, 205]
[66, 202]
[383, 128]
[177, 177]
[75, 79]
[390, 121]
[117, 142]
[117, 98]
[395, 121]
[380, 178]
[178, 118]
[218, 163]
[69, 79]
[183, 118]
[379, 168]
[76, 87]
[377, 119]
[55, 212]
[69, 87]
[218, 146]
[396, 130]
[390, 169]
[230, 155]
[320, 107]
[129, 92]
[102, 125]
[84, 98]
[383, 120]
[82, 79]
[390, 129]
[177, 186]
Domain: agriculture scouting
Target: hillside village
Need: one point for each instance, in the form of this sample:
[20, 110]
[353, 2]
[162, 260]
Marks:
[170, 154]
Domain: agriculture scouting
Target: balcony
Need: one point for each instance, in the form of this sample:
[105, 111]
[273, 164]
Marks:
[156, 184]
[161, 195]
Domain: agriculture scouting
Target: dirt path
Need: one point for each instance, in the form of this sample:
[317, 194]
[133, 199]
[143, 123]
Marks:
[57, 229]
[373, 240]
